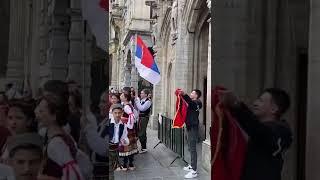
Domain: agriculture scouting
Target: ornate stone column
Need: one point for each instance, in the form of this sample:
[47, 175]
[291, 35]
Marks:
[43, 36]
[57, 54]
[313, 124]
[114, 69]
[15, 66]
[80, 53]
[206, 145]
[134, 71]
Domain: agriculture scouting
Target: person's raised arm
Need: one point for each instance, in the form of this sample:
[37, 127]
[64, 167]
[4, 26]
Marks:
[95, 142]
[258, 132]
[143, 107]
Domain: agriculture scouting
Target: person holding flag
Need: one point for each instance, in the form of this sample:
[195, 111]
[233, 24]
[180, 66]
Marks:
[145, 63]
[269, 137]
[143, 104]
[192, 124]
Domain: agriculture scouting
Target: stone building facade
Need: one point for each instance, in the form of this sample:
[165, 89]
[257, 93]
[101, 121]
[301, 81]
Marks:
[179, 32]
[45, 40]
[128, 18]
[260, 44]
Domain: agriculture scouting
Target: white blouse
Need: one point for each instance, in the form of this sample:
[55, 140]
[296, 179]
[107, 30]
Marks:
[128, 110]
[124, 138]
[59, 152]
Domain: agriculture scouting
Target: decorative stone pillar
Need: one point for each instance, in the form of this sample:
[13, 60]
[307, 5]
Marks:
[134, 70]
[15, 66]
[134, 77]
[80, 53]
[206, 145]
[57, 54]
[43, 35]
[114, 69]
[313, 124]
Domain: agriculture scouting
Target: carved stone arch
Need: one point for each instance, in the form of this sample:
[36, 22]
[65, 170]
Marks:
[194, 9]
[165, 27]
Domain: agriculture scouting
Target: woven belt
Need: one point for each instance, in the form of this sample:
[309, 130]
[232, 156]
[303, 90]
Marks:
[113, 147]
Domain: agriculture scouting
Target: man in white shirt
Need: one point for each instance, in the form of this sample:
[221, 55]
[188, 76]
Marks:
[143, 104]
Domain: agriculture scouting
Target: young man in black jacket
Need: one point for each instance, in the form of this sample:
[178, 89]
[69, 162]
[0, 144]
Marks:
[192, 123]
[269, 135]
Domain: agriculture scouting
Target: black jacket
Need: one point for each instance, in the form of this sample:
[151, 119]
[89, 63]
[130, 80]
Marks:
[267, 144]
[194, 107]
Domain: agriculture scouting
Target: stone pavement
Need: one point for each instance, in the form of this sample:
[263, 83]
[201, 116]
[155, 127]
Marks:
[155, 164]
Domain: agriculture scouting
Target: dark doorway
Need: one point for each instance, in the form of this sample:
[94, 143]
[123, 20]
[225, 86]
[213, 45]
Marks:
[205, 107]
[302, 111]
[99, 79]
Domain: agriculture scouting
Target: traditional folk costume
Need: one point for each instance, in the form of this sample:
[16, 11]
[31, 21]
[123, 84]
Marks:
[128, 151]
[97, 138]
[118, 138]
[144, 107]
[60, 158]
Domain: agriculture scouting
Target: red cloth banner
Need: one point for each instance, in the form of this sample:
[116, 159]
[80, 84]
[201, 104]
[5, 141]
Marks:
[181, 111]
[104, 4]
[229, 143]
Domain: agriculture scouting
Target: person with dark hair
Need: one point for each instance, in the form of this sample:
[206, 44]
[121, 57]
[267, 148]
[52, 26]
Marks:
[128, 119]
[56, 87]
[4, 131]
[51, 112]
[143, 104]
[118, 137]
[269, 136]
[126, 90]
[25, 155]
[115, 99]
[192, 123]
[60, 89]
[20, 119]
[75, 106]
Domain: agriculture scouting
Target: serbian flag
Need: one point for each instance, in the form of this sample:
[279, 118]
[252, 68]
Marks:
[181, 111]
[229, 143]
[145, 63]
[95, 12]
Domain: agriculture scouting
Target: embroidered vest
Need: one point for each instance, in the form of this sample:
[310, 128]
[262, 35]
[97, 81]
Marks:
[146, 112]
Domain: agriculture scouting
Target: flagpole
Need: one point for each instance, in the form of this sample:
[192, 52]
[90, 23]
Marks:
[134, 55]
[84, 39]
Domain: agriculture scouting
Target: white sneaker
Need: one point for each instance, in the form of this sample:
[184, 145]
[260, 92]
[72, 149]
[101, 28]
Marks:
[143, 151]
[191, 174]
[187, 168]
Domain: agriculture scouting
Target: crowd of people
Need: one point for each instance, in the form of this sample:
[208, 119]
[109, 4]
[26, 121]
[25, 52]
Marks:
[53, 136]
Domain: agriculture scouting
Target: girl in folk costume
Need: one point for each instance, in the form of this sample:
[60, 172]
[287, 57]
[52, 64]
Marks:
[60, 149]
[128, 118]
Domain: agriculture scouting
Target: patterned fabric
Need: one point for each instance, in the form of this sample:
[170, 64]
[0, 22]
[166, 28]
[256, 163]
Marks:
[113, 157]
[132, 148]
